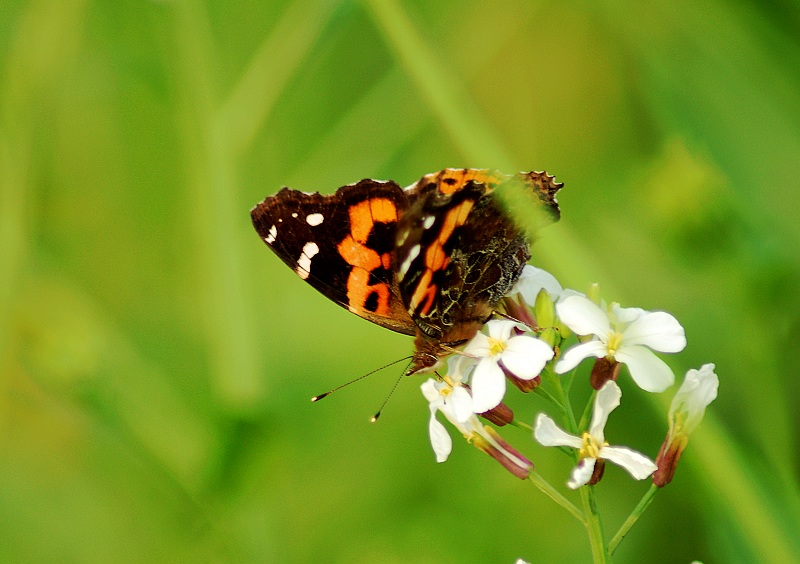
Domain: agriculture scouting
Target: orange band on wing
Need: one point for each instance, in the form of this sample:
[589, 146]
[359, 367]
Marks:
[425, 291]
[356, 254]
[359, 293]
[454, 179]
[364, 215]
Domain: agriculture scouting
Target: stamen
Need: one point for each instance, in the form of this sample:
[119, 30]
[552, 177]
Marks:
[590, 448]
[614, 342]
[496, 346]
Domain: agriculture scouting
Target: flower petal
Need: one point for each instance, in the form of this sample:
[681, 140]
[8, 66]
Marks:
[459, 367]
[548, 434]
[430, 391]
[532, 281]
[582, 473]
[606, 401]
[626, 314]
[658, 330]
[648, 371]
[478, 346]
[440, 440]
[525, 356]
[699, 389]
[574, 355]
[488, 386]
[583, 316]
[637, 464]
[500, 329]
[460, 403]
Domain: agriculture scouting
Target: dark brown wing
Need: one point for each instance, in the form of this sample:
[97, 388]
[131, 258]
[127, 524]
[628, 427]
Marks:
[342, 244]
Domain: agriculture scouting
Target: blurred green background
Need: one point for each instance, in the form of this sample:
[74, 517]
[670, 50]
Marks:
[156, 359]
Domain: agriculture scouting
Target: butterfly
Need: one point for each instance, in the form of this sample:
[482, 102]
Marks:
[431, 260]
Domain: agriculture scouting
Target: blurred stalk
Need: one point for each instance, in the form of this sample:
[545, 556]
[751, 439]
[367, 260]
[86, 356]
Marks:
[470, 131]
[767, 522]
[389, 132]
[211, 194]
[45, 38]
[444, 92]
[250, 102]
[215, 135]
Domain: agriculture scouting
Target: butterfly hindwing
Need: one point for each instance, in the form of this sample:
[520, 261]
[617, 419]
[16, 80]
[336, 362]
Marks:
[459, 252]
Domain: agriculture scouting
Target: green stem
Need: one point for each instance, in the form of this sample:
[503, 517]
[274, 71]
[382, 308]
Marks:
[552, 399]
[567, 379]
[587, 412]
[561, 398]
[644, 503]
[593, 525]
[521, 424]
[553, 494]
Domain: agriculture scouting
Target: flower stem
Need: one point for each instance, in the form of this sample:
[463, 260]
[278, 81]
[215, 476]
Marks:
[553, 494]
[643, 504]
[587, 412]
[592, 522]
[594, 527]
[521, 424]
[551, 398]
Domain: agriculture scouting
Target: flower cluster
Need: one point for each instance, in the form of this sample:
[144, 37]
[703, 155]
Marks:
[525, 347]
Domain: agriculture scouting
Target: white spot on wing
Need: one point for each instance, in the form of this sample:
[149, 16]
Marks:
[294, 214]
[403, 237]
[304, 262]
[271, 236]
[412, 254]
[314, 219]
[428, 222]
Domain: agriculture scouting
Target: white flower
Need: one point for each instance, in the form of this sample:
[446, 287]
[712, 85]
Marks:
[532, 281]
[626, 335]
[592, 445]
[699, 389]
[456, 405]
[522, 355]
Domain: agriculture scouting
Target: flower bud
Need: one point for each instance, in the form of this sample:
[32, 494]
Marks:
[500, 415]
[551, 336]
[604, 369]
[524, 386]
[667, 459]
[599, 469]
[594, 293]
[698, 390]
[515, 307]
[495, 446]
[544, 310]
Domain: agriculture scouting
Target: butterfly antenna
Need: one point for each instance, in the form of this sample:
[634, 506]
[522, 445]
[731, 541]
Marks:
[374, 418]
[509, 317]
[320, 396]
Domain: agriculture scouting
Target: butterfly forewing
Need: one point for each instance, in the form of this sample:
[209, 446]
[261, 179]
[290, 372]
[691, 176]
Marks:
[342, 244]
